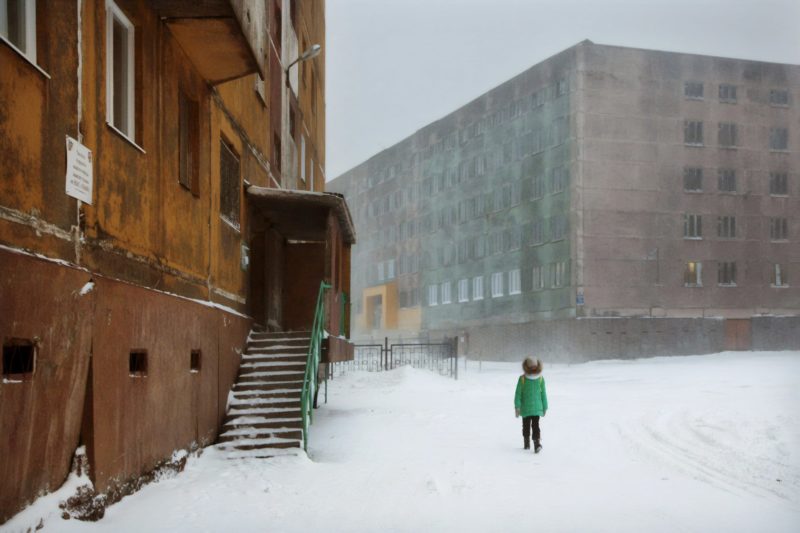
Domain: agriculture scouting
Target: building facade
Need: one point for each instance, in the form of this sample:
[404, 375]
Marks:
[655, 188]
[124, 313]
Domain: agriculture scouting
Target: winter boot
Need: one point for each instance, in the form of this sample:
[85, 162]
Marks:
[537, 447]
[527, 443]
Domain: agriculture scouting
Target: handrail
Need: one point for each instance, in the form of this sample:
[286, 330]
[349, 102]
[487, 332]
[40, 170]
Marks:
[312, 363]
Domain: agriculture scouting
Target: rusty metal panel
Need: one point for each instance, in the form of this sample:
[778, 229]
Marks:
[40, 417]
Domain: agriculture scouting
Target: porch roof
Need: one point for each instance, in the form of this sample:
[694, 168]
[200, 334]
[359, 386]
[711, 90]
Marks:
[302, 215]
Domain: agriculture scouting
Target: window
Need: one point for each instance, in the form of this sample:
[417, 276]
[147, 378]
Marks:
[693, 90]
[559, 274]
[726, 180]
[381, 271]
[390, 269]
[778, 139]
[433, 293]
[188, 143]
[693, 179]
[692, 226]
[538, 278]
[463, 290]
[559, 179]
[137, 363]
[229, 190]
[693, 132]
[726, 273]
[779, 97]
[194, 361]
[727, 93]
[727, 135]
[778, 229]
[446, 298]
[18, 25]
[514, 285]
[19, 359]
[120, 64]
[726, 227]
[562, 87]
[477, 288]
[497, 284]
[778, 276]
[537, 232]
[778, 184]
[558, 227]
[538, 187]
[693, 275]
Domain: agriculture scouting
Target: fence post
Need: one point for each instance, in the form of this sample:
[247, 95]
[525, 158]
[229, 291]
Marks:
[455, 356]
[386, 351]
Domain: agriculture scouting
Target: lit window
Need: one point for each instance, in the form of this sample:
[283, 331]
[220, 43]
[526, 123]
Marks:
[693, 275]
[18, 25]
[120, 61]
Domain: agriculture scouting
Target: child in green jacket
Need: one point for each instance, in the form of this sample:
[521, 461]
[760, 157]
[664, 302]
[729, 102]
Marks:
[530, 401]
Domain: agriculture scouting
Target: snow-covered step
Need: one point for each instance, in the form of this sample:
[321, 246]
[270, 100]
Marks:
[234, 435]
[264, 453]
[272, 376]
[272, 364]
[265, 411]
[251, 444]
[274, 356]
[262, 422]
[258, 386]
[275, 393]
[255, 403]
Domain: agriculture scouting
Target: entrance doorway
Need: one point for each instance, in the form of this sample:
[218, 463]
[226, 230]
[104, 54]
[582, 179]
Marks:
[738, 334]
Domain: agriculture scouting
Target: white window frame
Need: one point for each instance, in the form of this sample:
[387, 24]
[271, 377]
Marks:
[390, 269]
[463, 290]
[447, 296]
[538, 278]
[114, 12]
[497, 285]
[514, 282]
[698, 274]
[778, 276]
[29, 22]
[559, 272]
[381, 272]
[477, 288]
[433, 295]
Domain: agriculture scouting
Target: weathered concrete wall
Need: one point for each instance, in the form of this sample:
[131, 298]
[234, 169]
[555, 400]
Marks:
[589, 339]
[41, 417]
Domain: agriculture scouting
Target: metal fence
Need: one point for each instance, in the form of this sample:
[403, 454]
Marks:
[439, 357]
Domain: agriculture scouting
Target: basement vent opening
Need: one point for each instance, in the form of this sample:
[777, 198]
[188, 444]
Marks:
[137, 363]
[19, 357]
[194, 361]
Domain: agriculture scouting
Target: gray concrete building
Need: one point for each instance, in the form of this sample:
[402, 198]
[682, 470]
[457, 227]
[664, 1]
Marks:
[607, 202]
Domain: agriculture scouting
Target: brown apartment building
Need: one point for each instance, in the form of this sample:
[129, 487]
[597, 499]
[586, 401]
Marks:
[131, 273]
[606, 202]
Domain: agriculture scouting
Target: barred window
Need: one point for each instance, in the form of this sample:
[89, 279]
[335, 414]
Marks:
[693, 179]
[693, 90]
[726, 273]
[726, 180]
[692, 226]
[726, 227]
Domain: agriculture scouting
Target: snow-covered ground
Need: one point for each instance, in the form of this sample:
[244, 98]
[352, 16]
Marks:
[706, 443]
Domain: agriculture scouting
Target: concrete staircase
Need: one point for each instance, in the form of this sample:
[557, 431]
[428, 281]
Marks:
[263, 417]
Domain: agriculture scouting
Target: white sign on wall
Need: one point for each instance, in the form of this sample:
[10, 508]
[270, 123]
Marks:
[79, 171]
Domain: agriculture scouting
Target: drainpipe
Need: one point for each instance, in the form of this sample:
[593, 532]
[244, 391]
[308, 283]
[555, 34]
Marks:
[78, 233]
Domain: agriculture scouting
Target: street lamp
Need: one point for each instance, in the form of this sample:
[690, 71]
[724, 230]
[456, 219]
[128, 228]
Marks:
[311, 52]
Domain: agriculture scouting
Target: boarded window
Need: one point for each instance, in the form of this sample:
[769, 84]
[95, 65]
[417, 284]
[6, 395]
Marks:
[137, 363]
[19, 359]
[188, 143]
[229, 190]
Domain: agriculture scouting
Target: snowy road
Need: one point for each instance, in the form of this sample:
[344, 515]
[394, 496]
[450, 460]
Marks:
[708, 443]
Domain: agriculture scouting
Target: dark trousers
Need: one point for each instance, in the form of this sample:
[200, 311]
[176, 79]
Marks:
[529, 422]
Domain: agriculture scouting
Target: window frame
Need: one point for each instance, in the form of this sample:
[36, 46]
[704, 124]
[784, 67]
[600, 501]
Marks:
[477, 288]
[697, 274]
[693, 226]
[28, 51]
[463, 290]
[497, 285]
[514, 282]
[726, 273]
[114, 12]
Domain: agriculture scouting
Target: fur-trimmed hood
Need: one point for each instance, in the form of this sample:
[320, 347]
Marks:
[532, 367]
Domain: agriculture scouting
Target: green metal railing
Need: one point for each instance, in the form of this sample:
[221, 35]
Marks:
[312, 363]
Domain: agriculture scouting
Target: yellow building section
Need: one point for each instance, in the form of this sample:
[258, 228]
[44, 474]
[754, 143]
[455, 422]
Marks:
[381, 310]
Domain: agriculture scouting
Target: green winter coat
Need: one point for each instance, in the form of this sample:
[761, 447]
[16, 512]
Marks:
[531, 396]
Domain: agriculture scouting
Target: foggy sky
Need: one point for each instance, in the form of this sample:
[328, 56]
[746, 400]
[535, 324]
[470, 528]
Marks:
[394, 66]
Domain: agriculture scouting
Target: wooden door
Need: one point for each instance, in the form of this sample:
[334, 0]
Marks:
[738, 334]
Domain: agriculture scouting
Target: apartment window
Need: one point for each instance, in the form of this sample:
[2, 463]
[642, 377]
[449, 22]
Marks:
[538, 278]
[727, 93]
[433, 293]
[381, 271]
[497, 284]
[137, 363]
[390, 269]
[230, 180]
[558, 227]
[477, 288]
[194, 361]
[693, 179]
[463, 290]
[18, 25]
[559, 273]
[693, 132]
[726, 180]
[727, 135]
[538, 187]
[693, 274]
[778, 229]
[562, 87]
[726, 273]
[778, 139]
[778, 183]
[726, 227]
[514, 285]
[446, 297]
[692, 226]
[120, 65]
[778, 276]
[537, 233]
[188, 143]
[559, 179]
[19, 359]
[693, 90]
[779, 97]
